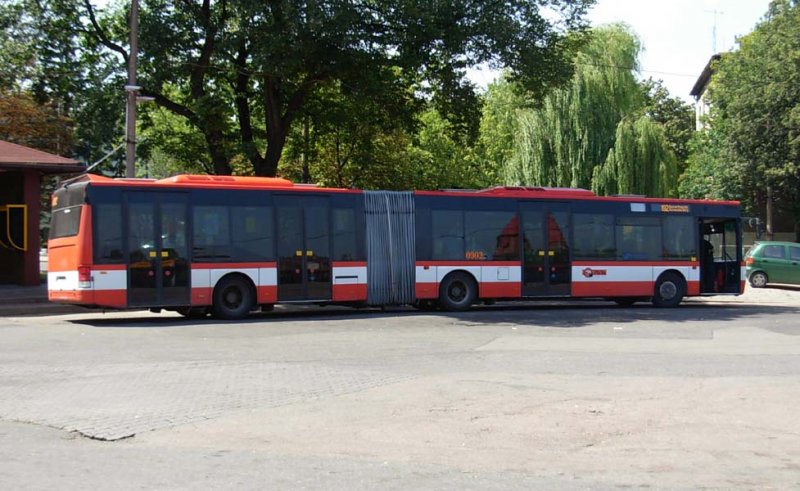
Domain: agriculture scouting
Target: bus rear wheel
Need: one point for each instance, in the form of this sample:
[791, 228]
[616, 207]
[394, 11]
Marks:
[233, 298]
[669, 291]
[457, 292]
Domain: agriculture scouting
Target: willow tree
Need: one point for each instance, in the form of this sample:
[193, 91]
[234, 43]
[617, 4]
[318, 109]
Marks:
[641, 161]
[597, 127]
[560, 142]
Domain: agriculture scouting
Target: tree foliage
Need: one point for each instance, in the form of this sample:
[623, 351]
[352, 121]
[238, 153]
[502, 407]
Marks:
[641, 161]
[241, 73]
[598, 132]
[713, 171]
[673, 115]
[499, 126]
[25, 122]
[757, 102]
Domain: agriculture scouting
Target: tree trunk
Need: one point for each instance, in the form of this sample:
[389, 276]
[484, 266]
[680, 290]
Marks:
[275, 143]
[215, 141]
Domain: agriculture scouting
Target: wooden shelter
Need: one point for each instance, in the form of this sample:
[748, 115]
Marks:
[21, 171]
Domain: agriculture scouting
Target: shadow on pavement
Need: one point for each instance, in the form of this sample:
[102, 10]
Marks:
[538, 314]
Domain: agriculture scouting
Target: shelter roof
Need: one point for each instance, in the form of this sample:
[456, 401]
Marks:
[19, 157]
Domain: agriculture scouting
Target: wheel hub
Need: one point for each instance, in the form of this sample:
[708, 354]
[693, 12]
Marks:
[668, 290]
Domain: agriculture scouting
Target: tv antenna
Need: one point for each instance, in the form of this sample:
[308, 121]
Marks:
[716, 14]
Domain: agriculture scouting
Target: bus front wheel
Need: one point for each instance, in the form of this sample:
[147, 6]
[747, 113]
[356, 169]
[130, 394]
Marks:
[233, 298]
[457, 292]
[669, 291]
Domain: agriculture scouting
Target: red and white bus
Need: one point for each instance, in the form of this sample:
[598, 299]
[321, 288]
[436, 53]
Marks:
[229, 245]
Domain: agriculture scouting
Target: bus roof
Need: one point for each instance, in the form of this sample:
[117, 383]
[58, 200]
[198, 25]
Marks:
[273, 183]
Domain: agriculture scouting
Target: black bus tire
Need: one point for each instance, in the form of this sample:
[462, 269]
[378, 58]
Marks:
[669, 290]
[233, 298]
[457, 292]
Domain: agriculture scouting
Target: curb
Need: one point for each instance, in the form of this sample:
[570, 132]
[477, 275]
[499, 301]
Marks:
[38, 309]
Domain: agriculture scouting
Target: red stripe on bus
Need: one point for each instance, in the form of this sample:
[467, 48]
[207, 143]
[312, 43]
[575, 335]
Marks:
[234, 265]
[693, 288]
[613, 289]
[349, 293]
[427, 290]
[505, 289]
[465, 263]
[267, 294]
[112, 298]
[70, 296]
[201, 296]
[103, 298]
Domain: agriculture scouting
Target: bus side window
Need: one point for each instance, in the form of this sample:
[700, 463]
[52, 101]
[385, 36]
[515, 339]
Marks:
[638, 238]
[344, 235]
[252, 236]
[593, 236]
[108, 233]
[212, 238]
[448, 234]
[492, 235]
[679, 237]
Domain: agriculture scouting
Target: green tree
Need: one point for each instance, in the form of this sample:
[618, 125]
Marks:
[641, 161]
[499, 123]
[604, 131]
[712, 171]
[755, 93]
[242, 72]
[562, 141]
[673, 115]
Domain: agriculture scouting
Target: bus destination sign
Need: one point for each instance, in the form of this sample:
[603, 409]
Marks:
[672, 208]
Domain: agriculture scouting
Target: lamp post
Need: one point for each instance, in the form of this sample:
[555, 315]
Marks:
[133, 91]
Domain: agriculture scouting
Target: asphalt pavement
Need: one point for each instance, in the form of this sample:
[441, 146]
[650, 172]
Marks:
[572, 395]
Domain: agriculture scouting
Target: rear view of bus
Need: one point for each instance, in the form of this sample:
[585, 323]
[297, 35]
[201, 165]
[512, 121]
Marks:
[69, 276]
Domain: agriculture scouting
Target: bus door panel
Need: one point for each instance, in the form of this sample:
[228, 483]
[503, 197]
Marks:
[157, 251]
[547, 265]
[142, 256]
[318, 248]
[174, 250]
[304, 259]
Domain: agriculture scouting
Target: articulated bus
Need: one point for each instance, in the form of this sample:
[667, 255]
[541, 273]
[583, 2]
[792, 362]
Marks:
[231, 245]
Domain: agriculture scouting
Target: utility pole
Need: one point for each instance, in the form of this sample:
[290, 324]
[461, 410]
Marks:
[133, 91]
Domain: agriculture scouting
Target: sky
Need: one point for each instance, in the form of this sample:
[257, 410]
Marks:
[677, 35]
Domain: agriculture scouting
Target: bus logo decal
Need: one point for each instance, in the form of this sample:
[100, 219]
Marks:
[589, 272]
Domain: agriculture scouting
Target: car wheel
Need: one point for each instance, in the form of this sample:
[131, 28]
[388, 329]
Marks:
[758, 279]
[669, 291]
[457, 292]
[233, 298]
